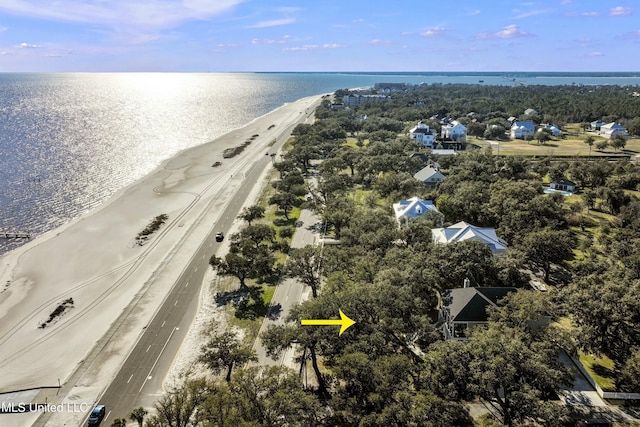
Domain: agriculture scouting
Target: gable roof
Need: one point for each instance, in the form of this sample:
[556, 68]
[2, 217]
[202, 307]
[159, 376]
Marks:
[470, 304]
[563, 181]
[612, 125]
[444, 152]
[527, 125]
[428, 172]
[413, 208]
[463, 231]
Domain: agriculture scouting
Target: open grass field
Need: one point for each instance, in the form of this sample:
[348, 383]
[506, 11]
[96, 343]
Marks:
[572, 144]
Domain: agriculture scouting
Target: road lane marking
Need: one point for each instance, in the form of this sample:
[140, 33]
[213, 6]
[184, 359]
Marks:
[129, 380]
[163, 324]
[107, 416]
[148, 348]
[157, 358]
[186, 284]
[175, 303]
[195, 269]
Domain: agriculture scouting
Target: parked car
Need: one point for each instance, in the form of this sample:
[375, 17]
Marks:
[219, 236]
[97, 415]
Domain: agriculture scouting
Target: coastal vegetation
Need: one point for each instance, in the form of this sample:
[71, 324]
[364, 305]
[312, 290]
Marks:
[393, 367]
[153, 226]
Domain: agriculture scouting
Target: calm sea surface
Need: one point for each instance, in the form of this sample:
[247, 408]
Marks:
[69, 141]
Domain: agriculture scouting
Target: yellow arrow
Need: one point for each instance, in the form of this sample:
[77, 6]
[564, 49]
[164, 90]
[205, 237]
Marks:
[344, 322]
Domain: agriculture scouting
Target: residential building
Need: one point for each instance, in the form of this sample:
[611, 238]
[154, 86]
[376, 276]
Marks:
[555, 130]
[466, 308]
[611, 129]
[596, 124]
[463, 231]
[454, 131]
[563, 185]
[530, 111]
[423, 134]
[444, 152]
[351, 100]
[522, 129]
[429, 175]
[414, 207]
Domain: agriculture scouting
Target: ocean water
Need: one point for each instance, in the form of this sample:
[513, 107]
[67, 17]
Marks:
[69, 141]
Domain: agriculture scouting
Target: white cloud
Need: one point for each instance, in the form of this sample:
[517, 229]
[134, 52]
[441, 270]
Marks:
[596, 54]
[359, 20]
[531, 13]
[434, 32]
[289, 9]
[308, 47]
[3, 29]
[509, 32]
[273, 23]
[590, 13]
[474, 12]
[120, 13]
[563, 2]
[634, 35]
[284, 39]
[378, 42]
[27, 46]
[620, 11]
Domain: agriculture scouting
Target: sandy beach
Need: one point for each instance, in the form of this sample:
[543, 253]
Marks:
[95, 261]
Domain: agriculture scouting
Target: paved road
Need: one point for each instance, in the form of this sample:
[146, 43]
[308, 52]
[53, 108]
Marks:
[139, 380]
[141, 377]
[289, 293]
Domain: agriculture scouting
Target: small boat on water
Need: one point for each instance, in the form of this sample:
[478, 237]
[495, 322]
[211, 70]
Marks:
[481, 81]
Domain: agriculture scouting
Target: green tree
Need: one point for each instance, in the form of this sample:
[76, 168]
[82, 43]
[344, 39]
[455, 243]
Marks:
[258, 233]
[252, 213]
[606, 309]
[602, 144]
[244, 260]
[180, 407]
[224, 351]
[545, 247]
[618, 142]
[138, 414]
[304, 263]
[590, 140]
[518, 374]
[119, 422]
[541, 136]
[628, 378]
[284, 201]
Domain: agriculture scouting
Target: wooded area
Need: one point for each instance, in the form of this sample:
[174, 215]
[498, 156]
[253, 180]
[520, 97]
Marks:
[393, 367]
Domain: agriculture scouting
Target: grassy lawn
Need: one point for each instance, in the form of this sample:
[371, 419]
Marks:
[352, 142]
[600, 369]
[571, 145]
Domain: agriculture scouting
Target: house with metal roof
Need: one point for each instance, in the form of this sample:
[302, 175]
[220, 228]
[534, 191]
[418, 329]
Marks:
[463, 231]
[412, 208]
[522, 129]
[429, 175]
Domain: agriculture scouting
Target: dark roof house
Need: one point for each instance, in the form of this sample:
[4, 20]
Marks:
[465, 308]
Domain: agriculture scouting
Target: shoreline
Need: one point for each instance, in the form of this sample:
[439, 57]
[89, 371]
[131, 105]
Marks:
[90, 257]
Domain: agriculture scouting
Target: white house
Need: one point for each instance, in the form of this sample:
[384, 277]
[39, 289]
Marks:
[412, 208]
[520, 129]
[423, 134]
[429, 175]
[563, 185]
[454, 131]
[463, 231]
[611, 129]
[555, 130]
[444, 152]
[530, 111]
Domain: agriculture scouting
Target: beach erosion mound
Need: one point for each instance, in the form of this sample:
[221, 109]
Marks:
[234, 151]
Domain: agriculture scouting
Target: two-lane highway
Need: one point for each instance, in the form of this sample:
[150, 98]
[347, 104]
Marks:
[140, 378]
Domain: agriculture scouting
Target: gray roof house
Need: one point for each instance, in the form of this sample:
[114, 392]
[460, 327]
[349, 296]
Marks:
[563, 185]
[414, 207]
[429, 175]
[463, 231]
[465, 308]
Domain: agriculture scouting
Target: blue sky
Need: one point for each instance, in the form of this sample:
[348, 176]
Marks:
[321, 35]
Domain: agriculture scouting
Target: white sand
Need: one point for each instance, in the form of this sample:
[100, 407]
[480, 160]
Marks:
[95, 261]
